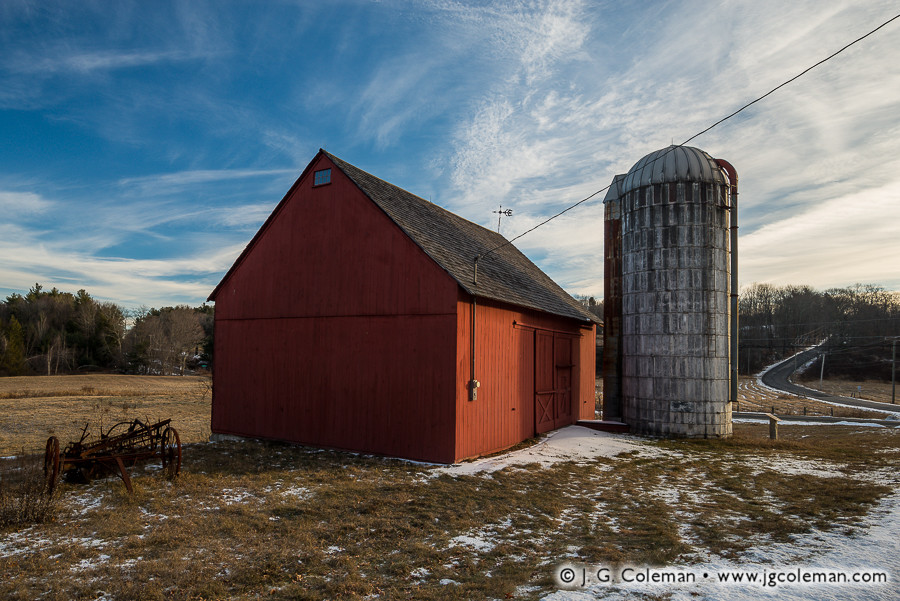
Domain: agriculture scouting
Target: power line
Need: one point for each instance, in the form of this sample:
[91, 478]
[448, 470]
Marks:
[698, 134]
[798, 76]
[813, 323]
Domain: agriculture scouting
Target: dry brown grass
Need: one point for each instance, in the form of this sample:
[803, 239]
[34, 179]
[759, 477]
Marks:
[249, 520]
[873, 390]
[24, 498]
[36, 407]
[753, 397]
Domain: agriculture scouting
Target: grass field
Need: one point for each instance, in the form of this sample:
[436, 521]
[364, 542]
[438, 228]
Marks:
[37, 407]
[252, 520]
[754, 397]
[873, 390]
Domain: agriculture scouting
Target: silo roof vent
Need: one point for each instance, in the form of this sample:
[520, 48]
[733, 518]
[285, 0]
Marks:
[673, 164]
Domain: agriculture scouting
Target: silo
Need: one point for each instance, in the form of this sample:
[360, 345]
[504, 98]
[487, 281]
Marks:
[675, 284]
[612, 301]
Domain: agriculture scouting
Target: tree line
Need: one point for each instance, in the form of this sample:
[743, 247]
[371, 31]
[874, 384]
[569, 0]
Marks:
[49, 332]
[857, 324]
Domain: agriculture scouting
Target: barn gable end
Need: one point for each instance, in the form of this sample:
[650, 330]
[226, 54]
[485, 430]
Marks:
[332, 329]
[327, 250]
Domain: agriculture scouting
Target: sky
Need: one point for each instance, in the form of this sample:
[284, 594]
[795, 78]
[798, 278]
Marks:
[142, 144]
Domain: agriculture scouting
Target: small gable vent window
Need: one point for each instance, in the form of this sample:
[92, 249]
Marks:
[322, 177]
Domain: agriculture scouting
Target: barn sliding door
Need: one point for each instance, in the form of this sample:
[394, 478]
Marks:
[562, 351]
[544, 383]
[552, 381]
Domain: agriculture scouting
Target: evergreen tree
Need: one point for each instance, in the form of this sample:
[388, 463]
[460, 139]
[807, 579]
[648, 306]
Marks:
[12, 361]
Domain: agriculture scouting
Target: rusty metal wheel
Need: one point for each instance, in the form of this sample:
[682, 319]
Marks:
[51, 463]
[170, 450]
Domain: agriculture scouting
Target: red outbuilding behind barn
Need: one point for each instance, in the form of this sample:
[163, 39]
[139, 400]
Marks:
[355, 320]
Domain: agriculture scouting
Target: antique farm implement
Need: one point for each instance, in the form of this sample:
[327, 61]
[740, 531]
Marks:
[122, 445]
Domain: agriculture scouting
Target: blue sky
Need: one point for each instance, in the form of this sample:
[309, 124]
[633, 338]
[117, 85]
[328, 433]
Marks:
[144, 143]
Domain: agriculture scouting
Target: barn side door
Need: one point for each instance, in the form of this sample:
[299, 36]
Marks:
[563, 368]
[544, 382]
[552, 381]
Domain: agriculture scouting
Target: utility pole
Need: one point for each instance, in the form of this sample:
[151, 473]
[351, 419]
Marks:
[822, 370]
[894, 371]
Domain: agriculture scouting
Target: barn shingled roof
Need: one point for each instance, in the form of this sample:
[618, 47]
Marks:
[504, 275]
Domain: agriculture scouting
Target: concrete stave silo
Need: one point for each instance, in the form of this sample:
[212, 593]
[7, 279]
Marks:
[673, 374]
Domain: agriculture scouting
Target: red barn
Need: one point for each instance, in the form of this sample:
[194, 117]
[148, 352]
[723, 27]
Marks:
[354, 319]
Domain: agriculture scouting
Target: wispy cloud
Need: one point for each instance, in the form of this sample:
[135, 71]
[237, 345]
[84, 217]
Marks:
[544, 146]
[397, 93]
[182, 179]
[833, 243]
[528, 37]
[173, 132]
[129, 281]
[22, 203]
[551, 34]
[89, 62]
[188, 245]
[245, 216]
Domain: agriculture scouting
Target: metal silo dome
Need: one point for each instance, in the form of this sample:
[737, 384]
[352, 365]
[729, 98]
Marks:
[673, 164]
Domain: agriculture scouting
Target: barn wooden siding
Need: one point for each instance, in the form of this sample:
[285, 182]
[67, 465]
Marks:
[337, 331]
[536, 372]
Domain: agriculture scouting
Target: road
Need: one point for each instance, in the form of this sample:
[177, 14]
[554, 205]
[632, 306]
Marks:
[777, 377]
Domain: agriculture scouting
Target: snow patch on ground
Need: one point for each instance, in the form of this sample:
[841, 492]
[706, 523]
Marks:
[420, 573]
[485, 538]
[17, 543]
[573, 443]
[89, 563]
[301, 492]
[238, 497]
[24, 541]
[797, 467]
[481, 543]
[83, 503]
[875, 546]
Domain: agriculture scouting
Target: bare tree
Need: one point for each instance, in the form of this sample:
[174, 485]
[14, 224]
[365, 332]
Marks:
[184, 332]
[163, 341]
